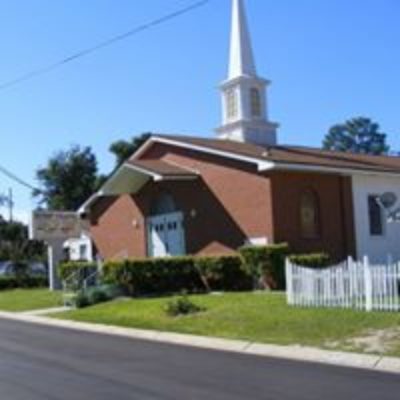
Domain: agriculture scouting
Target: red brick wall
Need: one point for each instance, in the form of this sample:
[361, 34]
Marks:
[336, 212]
[243, 192]
[229, 203]
[241, 196]
[113, 230]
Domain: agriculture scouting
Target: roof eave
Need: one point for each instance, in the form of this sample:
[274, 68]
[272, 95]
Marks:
[261, 164]
[333, 170]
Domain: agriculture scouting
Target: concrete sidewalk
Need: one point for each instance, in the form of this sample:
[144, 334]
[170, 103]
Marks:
[292, 352]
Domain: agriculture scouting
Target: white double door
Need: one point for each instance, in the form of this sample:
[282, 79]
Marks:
[166, 235]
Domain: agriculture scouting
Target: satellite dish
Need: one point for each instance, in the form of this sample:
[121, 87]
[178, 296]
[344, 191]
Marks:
[388, 199]
[394, 216]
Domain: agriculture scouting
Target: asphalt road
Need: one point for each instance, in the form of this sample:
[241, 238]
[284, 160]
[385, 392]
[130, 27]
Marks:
[39, 363]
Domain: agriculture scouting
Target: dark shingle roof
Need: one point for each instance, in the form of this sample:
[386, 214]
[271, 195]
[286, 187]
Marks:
[296, 155]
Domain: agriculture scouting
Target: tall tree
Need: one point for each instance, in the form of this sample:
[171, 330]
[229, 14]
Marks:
[357, 135]
[123, 149]
[68, 180]
[15, 244]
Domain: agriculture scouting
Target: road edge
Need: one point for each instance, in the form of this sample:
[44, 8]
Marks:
[290, 352]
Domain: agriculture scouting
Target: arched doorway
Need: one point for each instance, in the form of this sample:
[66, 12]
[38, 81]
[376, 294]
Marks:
[165, 230]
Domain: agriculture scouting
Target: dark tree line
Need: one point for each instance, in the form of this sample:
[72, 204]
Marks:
[15, 244]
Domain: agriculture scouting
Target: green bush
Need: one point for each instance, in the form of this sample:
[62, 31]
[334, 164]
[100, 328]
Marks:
[266, 264]
[174, 274]
[154, 276]
[81, 300]
[181, 306]
[97, 295]
[225, 273]
[312, 260]
[25, 282]
[82, 270]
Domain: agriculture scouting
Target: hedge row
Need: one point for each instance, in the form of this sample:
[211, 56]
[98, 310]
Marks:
[312, 260]
[10, 282]
[169, 275]
[254, 267]
[266, 264]
[67, 270]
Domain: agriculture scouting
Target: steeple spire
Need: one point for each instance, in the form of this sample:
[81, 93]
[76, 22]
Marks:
[244, 94]
[241, 53]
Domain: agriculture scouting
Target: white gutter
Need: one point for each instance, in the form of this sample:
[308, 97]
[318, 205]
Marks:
[261, 165]
[332, 170]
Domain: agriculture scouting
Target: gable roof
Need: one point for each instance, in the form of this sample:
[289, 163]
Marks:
[133, 174]
[287, 157]
[162, 169]
[291, 158]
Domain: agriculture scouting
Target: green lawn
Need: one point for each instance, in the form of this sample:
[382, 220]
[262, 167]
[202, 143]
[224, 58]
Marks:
[28, 299]
[252, 316]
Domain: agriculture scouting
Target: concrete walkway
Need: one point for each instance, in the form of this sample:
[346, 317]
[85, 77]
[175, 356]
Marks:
[46, 311]
[292, 352]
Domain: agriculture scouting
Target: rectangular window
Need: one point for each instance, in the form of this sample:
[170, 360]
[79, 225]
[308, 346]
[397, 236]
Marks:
[375, 217]
[231, 104]
[82, 252]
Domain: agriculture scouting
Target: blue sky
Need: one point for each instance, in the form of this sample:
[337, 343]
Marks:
[329, 60]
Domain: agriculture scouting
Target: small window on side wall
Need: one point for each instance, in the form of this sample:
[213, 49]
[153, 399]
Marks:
[231, 104]
[375, 217]
[310, 215]
[255, 100]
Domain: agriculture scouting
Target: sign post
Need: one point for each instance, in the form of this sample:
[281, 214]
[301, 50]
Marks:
[54, 228]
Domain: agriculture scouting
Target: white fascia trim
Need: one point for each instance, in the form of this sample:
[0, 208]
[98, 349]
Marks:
[89, 201]
[261, 165]
[155, 176]
[322, 169]
[102, 191]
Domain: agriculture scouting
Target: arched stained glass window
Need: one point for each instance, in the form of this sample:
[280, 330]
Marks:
[310, 215]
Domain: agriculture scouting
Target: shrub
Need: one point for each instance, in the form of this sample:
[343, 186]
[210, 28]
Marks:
[182, 306]
[266, 264]
[225, 273]
[97, 295]
[81, 269]
[25, 282]
[174, 274]
[81, 300]
[312, 260]
[153, 276]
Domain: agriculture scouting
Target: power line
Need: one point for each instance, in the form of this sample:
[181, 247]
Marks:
[106, 43]
[17, 179]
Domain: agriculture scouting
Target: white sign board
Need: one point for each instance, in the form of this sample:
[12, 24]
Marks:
[52, 225]
[55, 228]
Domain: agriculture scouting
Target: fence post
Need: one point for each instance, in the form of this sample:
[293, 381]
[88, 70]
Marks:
[289, 281]
[368, 284]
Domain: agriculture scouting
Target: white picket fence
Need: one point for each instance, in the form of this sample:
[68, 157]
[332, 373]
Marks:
[351, 284]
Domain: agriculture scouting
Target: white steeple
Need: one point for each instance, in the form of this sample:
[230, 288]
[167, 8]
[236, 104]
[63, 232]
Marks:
[241, 54]
[244, 99]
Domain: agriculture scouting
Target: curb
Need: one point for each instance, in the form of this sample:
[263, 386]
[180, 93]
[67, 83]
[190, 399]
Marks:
[291, 352]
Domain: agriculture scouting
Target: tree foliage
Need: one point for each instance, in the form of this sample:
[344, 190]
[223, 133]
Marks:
[123, 149]
[15, 244]
[358, 135]
[71, 176]
[68, 180]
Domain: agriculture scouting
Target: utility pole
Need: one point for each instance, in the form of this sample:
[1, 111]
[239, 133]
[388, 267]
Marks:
[7, 200]
[10, 204]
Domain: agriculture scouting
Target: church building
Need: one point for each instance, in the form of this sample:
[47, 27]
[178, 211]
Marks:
[182, 195]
